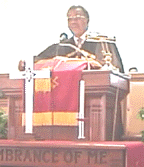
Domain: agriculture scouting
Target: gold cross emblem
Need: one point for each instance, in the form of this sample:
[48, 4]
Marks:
[54, 82]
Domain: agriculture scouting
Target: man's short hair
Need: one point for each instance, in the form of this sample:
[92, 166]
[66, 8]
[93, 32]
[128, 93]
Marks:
[82, 8]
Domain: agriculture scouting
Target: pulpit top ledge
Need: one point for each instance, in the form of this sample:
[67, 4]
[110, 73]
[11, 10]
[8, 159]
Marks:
[99, 78]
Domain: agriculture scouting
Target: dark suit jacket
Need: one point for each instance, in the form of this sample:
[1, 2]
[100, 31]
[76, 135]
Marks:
[89, 46]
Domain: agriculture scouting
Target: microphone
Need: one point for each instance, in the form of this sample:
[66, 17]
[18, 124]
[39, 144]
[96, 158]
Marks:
[63, 36]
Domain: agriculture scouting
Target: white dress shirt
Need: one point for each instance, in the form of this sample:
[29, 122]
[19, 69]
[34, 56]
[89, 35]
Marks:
[83, 38]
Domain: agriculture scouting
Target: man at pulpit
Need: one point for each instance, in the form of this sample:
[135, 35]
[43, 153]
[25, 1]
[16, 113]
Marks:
[81, 47]
[78, 20]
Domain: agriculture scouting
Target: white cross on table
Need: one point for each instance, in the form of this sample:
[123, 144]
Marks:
[29, 74]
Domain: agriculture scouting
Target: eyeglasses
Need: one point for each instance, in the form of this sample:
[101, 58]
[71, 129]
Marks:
[77, 17]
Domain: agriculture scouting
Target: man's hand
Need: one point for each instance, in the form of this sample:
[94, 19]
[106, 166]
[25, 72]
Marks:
[21, 65]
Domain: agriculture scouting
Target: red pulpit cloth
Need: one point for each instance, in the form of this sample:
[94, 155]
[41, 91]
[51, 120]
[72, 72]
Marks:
[64, 86]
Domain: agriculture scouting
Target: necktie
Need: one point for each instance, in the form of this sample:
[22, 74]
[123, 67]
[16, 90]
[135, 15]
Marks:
[79, 43]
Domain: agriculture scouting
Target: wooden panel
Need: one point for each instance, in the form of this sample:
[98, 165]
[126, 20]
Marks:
[95, 127]
[105, 78]
[135, 102]
[58, 156]
[95, 119]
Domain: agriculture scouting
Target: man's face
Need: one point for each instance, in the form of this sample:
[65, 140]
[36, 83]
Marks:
[77, 22]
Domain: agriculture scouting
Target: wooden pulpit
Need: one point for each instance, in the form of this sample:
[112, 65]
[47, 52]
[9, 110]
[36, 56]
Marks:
[104, 90]
[12, 99]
